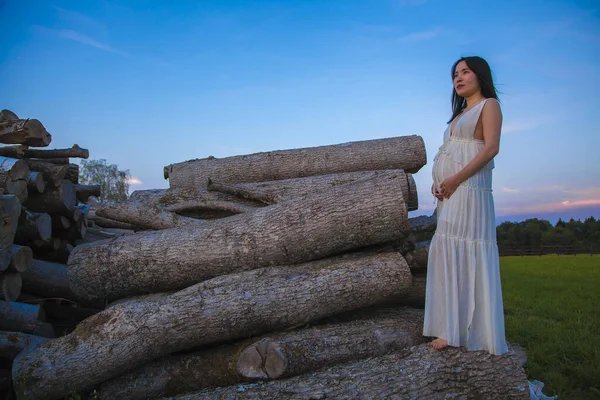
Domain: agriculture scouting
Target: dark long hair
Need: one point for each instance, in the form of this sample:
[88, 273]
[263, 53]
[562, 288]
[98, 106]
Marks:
[484, 75]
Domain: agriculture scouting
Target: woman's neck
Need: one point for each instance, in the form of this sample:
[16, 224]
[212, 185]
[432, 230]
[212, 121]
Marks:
[474, 99]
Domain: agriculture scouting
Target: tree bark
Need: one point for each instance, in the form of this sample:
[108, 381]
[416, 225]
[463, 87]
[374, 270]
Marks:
[18, 317]
[17, 151]
[10, 210]
[415, 296]
[73, 173]
[5, 257]
[21, 259]
[135, 215]
[110, 223]
[14, 175]
[298, 230]
[36, 182]
[273, 356]
[53, 174]
[163, 209]
[10, 286]
[46, 279]
[7, 115]
[29, 132]
[276, 191]
[73, 152]
[420, 372]
[406, 152]
[33, 226]
[59, 200]
[60, 161]
[13, 343]
[224, 308]
[85, 191]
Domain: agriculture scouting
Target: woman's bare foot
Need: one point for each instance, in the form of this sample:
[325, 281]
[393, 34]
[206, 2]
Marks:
[439, 343]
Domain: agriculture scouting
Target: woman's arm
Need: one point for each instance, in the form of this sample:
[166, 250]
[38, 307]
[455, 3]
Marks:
[491, 121]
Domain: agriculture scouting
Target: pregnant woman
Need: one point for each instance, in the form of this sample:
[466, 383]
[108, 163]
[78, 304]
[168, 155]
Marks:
[463, 305]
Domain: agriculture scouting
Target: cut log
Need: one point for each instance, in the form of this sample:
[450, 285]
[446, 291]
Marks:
[298, 230]
[85, 191]
[224, 308]
[10, 210]
[33, 226]
[5, 257]
[13, 343]
[7, 115]
[102, 233]
[21, 258]
[18, 317]
[73, 173]
[13, 151]
[29, 132]
[53, 174]
[73, 152]
[10, 286]
[36, 182]
[46, 279]
[275, 355]
[110, 223]
[14, 175]
[59, 200]
[405, 152]
[60, 161]
[421, 372]
[413, 195]
[13, 168]
[128, 215]
[162, 209]
[415, 296]
[295, 353]
[276, 191]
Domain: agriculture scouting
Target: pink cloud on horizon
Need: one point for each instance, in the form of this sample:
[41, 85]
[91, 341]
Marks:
[548, 207]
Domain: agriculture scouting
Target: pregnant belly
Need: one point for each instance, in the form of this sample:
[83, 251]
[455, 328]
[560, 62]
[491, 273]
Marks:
[443, 168]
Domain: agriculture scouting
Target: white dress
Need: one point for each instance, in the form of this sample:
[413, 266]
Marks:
[463, 302]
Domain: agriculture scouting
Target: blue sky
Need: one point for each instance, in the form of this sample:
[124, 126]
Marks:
[145, 84]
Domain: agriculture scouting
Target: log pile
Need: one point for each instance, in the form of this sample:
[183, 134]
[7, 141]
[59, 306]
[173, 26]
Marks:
[288, 274]
[43, 216]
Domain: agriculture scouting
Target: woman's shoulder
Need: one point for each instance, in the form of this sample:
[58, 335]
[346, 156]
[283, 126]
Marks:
[491, 106]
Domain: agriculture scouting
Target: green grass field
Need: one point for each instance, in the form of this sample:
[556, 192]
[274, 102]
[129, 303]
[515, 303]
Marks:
[552, 309]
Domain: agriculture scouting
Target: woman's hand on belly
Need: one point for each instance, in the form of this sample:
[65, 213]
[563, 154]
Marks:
[436, 193]
[449, 186]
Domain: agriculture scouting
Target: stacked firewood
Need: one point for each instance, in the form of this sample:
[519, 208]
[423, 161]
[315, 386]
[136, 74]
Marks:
[274, 275]
[43, 216]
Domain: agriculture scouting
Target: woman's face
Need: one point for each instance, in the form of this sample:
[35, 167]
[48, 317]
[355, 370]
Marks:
[465, 80]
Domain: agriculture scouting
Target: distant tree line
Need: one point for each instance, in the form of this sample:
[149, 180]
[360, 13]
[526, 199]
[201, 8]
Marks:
[537, 235]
